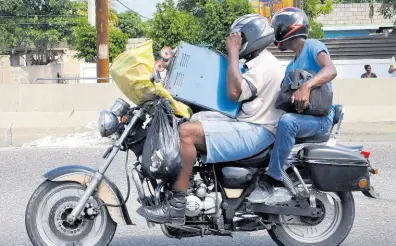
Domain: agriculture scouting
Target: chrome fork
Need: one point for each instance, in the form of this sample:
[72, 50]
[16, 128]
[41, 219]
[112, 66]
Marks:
[98, 177]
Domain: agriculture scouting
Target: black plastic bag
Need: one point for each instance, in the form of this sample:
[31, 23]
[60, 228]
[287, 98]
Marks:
[320, 99]
[162, 149]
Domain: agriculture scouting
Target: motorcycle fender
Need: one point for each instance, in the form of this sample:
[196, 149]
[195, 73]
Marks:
[107, 191]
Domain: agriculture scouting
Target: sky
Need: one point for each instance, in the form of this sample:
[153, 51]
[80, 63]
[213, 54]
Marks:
[143, 7]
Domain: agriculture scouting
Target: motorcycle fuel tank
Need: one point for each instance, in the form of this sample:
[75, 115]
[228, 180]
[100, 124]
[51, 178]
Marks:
[197, 75]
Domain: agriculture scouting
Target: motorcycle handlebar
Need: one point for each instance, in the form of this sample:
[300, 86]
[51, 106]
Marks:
[168, 106]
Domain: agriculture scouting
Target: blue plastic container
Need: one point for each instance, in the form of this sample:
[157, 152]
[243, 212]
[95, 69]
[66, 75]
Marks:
[197, 75]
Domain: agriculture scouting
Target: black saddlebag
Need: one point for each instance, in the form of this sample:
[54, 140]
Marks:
[336, 168]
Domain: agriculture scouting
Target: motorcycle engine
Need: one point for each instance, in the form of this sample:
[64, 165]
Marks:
[200, 201]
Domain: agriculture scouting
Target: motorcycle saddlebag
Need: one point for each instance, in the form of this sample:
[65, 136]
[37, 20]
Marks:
[335, 168]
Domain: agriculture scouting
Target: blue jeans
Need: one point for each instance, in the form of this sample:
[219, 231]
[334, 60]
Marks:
[230, 140]
[291, 126]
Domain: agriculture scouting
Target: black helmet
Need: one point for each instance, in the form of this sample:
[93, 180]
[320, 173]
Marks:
[289, 23]
[257, 33]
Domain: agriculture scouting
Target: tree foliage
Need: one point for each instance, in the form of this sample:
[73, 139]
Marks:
[85, 36]
[217, 19]
[354, 1]
[38, 26]
[170, 26]
[131, 24]
[192, 6]
[197, 22]
[388, 8]
[314, 8]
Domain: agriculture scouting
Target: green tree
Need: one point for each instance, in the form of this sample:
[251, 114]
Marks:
[354, 1]
[38, 26]
[170, 26]
[209, 22]
[131, 23]
[85, 44]
[314, 8]
[388, 8]
[192, 6]
[217, 19]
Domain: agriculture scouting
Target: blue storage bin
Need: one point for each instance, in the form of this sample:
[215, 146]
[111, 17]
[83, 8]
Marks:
[197, 75]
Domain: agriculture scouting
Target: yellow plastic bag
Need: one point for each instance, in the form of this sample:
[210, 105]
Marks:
[131, 72]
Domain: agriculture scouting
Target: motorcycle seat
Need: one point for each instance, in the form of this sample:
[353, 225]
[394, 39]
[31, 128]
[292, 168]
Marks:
[261, 159]
[325, 138]
[256, 160]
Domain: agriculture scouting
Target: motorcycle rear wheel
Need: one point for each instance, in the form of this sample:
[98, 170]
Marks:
[46, 213]
[332, 229]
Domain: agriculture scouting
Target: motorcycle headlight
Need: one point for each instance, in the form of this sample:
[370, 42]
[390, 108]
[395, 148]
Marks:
[120, 107]
[108, 123]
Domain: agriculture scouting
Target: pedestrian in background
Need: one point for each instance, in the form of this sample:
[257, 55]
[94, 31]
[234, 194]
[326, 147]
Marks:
[392, 67]
[368, 74]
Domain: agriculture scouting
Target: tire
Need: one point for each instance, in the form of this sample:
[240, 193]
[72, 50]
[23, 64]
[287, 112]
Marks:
[283, 235]
[45, 217]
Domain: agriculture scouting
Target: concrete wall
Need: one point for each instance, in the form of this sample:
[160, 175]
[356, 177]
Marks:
[5, 70]
[29, 112]
[70, 67]
[352, 14]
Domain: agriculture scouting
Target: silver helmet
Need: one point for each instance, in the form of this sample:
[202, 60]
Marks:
[256, 31]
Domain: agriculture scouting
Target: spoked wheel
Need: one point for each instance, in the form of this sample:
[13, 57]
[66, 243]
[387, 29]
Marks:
[46, 217]
[329, 229]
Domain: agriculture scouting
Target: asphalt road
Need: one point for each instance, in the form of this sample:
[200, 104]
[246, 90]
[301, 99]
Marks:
[21, 169]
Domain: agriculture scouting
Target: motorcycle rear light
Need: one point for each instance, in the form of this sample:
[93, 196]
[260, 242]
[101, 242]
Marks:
[365, 153]
[363, 183]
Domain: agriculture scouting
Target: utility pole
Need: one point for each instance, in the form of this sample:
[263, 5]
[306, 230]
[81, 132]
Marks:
[102, 44]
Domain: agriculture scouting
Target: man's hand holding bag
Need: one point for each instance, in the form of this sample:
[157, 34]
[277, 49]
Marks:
[320, 98]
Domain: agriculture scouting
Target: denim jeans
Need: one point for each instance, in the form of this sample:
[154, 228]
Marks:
[230, 140]
[291, 126]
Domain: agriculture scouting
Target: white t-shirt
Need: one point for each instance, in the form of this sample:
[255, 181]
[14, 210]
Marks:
[261, 81]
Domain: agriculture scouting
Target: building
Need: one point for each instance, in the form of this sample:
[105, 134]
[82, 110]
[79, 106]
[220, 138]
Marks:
[268, 7]
[353, 20]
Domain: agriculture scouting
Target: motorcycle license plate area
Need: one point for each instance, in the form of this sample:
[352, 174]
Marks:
[197, 75]
[335, 168]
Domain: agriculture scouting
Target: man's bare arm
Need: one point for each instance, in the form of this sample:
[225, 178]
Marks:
[234, 76]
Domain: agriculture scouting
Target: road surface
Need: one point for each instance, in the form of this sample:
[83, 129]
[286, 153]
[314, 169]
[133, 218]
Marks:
[21, 169]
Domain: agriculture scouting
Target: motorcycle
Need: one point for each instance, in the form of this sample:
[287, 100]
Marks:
[77, 205]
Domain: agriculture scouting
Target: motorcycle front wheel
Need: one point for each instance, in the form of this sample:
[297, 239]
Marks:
[332, 228]
[46, 214]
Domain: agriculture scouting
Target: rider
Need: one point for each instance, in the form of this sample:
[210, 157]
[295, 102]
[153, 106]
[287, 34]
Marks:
[291, 28]
[218, 138]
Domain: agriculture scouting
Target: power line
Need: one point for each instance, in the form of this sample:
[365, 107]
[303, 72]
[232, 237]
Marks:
[46, 16]
[37, 24]
[142, 16]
